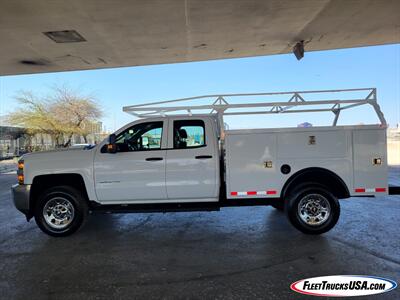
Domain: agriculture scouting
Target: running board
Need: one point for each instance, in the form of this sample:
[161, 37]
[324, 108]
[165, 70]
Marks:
[155, 208]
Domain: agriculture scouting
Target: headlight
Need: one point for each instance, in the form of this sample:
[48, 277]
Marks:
[20, 171]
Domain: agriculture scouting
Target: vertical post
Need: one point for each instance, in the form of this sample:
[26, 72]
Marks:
[337, 113]
[18, 144]
[221, 125]
[376, 107]
[379, 113]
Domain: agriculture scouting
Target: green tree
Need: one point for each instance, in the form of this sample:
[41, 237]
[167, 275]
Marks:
[61, 114]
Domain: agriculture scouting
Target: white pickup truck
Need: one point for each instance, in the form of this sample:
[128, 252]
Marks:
[185, 161]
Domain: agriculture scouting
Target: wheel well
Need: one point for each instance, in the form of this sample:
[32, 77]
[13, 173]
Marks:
[43, 182]
[317, 175]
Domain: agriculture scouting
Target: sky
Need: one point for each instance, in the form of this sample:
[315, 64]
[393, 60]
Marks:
[377, 66]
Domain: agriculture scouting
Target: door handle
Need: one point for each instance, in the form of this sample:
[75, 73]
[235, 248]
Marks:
[203, 157]
[154, 158]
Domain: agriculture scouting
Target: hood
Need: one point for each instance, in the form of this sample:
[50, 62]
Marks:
[63, 153]
[64, 161]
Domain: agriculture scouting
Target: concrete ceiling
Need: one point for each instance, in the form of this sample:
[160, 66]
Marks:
[143, 32]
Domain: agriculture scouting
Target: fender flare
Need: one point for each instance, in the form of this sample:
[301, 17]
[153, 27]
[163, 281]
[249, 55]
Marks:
[311, 172]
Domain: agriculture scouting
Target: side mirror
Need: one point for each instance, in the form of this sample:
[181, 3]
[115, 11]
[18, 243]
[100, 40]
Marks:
[111, 146]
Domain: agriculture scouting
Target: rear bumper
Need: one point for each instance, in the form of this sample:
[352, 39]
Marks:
[21, 195]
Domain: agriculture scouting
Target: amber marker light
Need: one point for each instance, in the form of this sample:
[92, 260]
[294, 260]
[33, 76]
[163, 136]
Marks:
[20, 172]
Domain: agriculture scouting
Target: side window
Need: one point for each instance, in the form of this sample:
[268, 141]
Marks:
[189, 134]
[140, 137]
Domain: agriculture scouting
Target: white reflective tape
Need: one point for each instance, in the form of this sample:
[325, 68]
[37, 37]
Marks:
[370, 190]
[254, 193]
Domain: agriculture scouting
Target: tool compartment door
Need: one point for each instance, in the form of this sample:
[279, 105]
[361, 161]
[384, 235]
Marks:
[370, 176]
[247, 156]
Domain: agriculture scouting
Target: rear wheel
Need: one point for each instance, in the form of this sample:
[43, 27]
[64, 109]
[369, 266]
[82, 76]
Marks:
[312, 209]
[60, 211]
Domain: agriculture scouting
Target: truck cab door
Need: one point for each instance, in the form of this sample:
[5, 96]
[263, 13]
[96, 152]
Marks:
[136, 172]
[192, 167]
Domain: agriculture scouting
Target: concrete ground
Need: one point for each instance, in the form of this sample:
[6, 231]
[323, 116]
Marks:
[236, 253]
[8, 165]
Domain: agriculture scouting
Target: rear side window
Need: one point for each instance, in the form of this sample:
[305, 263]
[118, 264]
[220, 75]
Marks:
[189, 134]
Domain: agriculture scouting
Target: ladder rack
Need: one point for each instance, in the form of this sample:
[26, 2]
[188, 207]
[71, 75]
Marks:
[293, 102]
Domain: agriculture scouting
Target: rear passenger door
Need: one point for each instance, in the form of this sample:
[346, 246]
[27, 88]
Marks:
[192, 164]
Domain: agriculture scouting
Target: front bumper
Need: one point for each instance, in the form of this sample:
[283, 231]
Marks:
[21, 195]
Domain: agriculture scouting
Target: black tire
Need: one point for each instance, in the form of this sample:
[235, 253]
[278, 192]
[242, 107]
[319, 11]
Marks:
[278, 205]
[294, 213]
[68, 196]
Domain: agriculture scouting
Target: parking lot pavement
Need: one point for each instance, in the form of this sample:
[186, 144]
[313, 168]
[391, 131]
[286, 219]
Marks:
[8, 165]
[249, 252]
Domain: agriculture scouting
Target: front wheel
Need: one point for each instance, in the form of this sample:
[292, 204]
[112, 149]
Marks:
[312, 209]
[60, 211]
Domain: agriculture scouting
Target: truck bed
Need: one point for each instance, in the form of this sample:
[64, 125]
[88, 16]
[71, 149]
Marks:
[257, 159]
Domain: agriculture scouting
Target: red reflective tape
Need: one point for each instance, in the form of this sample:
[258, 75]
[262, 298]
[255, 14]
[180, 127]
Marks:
[380, 190]
[271, 192]
[360, 190]
[234, 193]
[251, 193]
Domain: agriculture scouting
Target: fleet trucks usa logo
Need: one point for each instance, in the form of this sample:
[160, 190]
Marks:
[343, 286]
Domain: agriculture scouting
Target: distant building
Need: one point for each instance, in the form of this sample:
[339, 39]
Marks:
[96, 135]
[15, 141]
[9, 138]
[394, 133]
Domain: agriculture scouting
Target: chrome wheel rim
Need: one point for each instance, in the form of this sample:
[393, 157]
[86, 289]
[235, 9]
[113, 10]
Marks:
[314, 209]
[58, 213]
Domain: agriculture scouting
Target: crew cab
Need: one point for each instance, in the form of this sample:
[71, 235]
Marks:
[184, 162]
